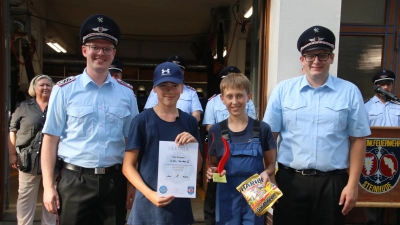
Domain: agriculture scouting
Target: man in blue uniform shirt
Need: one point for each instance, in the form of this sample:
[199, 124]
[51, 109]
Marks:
[88, 120]
[382, 112]
[322, 125]
[216, 112]
[188, 102]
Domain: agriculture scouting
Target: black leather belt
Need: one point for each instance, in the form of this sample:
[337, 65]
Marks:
[99, 170]
[312, 172]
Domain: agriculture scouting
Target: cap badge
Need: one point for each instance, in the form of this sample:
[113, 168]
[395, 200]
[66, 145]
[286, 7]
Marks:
[165, 72]
[100, 19]
[100, 29]
[316, 39]
[384, 71]
[316, 30]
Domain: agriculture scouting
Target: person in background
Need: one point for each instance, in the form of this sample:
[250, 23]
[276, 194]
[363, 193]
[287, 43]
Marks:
[115, 69]
[216, 112]
[141, 97]
[322, 124]
[124, 192]
[163, 122]
[381, 112]
[26, 122]
[88, 122]
[188, 102]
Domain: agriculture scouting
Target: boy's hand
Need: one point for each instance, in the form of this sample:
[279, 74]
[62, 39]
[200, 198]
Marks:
[185, 138]
[160, 201]
[265, 177]
[212, 170]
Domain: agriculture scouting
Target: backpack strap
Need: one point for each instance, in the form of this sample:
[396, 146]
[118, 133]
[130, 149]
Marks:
[256, 129]
[224, 129]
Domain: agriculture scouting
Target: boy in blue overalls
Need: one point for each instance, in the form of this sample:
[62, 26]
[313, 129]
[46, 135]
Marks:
[252, 150]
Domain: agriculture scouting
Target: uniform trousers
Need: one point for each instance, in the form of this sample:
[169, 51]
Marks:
[209, 203]
[309, 200]
[120, 187]
[28, 189]
[86, 198]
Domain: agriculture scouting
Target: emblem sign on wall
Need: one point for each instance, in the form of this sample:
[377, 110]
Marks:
[380, 172]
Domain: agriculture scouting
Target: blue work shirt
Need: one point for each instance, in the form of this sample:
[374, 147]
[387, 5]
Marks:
[91, 121]
[188, 101]
[216, 110]
[380, 114]
[315, 123]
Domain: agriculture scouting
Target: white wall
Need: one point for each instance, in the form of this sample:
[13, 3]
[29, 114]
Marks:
[288, 20]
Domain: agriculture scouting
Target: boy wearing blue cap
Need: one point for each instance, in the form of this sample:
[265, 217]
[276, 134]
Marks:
[163, 122]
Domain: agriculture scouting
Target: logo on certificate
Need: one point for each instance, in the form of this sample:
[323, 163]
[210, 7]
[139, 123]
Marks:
[163, 189]
[190, 190]
[380, 171]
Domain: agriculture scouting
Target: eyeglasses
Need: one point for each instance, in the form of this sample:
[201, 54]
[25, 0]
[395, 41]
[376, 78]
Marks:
[321, 57]
[96, 50]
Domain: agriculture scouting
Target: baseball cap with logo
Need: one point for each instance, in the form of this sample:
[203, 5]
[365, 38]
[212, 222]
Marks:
[167, 72]
[383, 75]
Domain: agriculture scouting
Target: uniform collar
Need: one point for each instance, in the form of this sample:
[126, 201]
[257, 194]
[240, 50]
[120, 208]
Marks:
[375, 99]
[86, 79]
[328, 83]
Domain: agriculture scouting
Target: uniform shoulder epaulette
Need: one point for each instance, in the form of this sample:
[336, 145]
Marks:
[125, 84]
[66, 81]
[191, 88]
[212, 97]
[367, 100]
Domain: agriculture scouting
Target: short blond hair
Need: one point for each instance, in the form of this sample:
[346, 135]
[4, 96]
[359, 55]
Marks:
[31, 89]
[235, 80]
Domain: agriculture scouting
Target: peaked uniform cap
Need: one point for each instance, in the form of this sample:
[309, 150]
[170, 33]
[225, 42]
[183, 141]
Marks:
[100, 27]
[316, 37]
[116, 65]
[227, 70]
[177, 60]
[383, 75]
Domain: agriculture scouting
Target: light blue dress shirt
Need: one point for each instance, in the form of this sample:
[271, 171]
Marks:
[385, 115]
[91, 121]
[188, 101]
[216, 110]
[315, 123]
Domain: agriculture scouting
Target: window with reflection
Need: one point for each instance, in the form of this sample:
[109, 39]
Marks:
[359, 59]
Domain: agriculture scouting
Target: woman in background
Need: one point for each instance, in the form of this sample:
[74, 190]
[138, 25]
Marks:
[26, 122]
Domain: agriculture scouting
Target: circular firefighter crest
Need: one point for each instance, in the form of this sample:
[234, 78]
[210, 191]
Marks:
[380, 171]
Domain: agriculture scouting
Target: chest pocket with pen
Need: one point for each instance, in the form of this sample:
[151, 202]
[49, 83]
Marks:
[246, 158]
